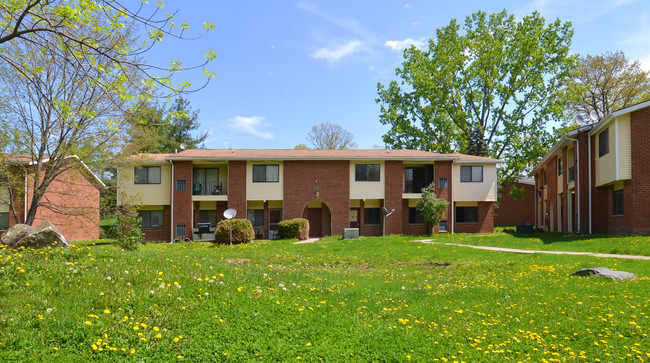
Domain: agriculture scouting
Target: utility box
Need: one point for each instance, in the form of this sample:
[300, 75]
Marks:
[350, 233]
[525, 228]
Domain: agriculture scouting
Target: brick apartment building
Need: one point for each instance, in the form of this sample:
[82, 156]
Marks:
[185, 194]
[71, 202]
[596, 179]
[512, 212]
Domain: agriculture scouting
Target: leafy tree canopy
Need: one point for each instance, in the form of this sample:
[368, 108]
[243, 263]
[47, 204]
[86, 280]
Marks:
[489, 90]
[157, 130]
[60, 28]
[606, 83]
[330, 136]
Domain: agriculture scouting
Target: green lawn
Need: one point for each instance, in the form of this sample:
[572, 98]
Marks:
[617, 244]
[379, 299]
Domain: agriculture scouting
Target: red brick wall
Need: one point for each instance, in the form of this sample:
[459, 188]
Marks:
[412, 229]
[393, 196]
[565, 194]
[443, 170]
[71, 203]
[582, 173]
[637, 193]
[160, 234]
[334, 190]
[182, 200]
[512, 212]
[551, 194]
[485, 220]
[237, 187]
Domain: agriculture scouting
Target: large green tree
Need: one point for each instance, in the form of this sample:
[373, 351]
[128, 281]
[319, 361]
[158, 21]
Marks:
[155, 129]
[69, 69]
[55, 117]
[60, 28]
[490, 89]
[606, 83]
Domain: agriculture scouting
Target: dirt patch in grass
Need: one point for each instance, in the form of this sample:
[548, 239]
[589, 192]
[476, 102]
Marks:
[237, 260]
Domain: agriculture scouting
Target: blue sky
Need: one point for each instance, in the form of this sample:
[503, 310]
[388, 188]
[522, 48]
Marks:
[285, 66]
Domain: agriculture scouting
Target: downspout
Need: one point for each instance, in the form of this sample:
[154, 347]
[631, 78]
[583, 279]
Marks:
[171, 227]
[451, 197]
[577, 172]
[589, 177]
[25, 198]
[536, 205]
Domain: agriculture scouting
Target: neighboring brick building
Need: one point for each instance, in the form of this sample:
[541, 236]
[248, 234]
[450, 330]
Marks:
[512, 212]
[597, 177]
[183, 194]
[71, 202]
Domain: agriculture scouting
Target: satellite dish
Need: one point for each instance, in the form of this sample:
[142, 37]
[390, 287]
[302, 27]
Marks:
[229, 213]
[594, 115]
[183, 146]
[579, 120]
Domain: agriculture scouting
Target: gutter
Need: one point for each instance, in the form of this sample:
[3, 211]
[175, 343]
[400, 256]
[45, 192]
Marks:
[171, 214]
[451, 202]
[589, 178]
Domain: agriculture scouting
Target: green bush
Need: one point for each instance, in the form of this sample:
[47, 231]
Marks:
[129, 235]
[108, 232]
[242, 231]
[294, 228]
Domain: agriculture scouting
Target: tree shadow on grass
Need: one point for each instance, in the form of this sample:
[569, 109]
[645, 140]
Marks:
[559, 237]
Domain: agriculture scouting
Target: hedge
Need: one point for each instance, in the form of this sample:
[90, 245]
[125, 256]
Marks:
[294, 228]
[242, 231]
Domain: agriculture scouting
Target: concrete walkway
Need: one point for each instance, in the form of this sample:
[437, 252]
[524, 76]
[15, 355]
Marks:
[309, 240]
[530, 252]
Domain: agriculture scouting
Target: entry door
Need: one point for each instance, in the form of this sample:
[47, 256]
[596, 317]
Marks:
[354, 217]
[315, 217]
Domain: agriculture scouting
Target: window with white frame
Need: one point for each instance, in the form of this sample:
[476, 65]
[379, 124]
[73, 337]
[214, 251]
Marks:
[366, 172]
[147, 175]
[603, 143]
[266, 173]
[151, 218]
[471, 174]
[256, 216]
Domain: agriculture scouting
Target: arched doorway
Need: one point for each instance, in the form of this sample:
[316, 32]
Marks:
[320, 219]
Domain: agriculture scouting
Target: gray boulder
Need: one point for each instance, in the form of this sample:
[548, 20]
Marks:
[605, 272]
[46, 234]
[16, 233]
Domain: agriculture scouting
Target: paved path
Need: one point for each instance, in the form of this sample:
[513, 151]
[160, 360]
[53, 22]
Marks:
[530, 252]
[310, 240]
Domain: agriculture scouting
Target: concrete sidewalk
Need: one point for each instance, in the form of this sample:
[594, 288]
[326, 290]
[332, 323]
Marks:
[530, 252]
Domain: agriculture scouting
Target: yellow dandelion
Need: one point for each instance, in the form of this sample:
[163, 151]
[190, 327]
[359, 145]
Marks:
[132, 351]
[106, 311]
[88, 322]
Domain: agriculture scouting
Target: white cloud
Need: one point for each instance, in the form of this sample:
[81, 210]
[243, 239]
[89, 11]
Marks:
[348, 36]
[408, 6]
[399, 45]
[251, 125]
[334, 55]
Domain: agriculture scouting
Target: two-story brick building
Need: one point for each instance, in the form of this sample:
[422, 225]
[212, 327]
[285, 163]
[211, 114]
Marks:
[597, 177]
[333, 189]
[71, 202]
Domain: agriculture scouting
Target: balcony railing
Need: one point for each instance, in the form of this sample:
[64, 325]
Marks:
[210, 188]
